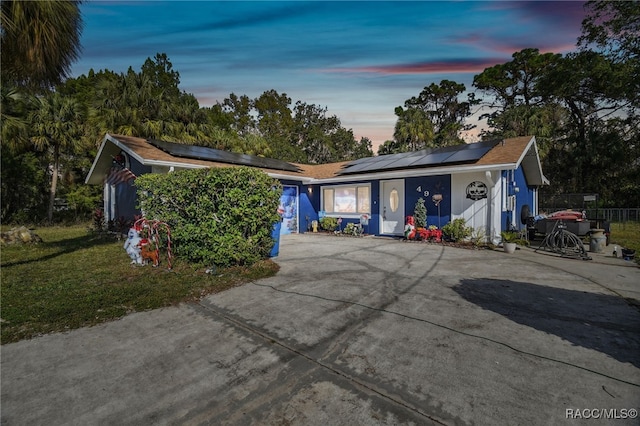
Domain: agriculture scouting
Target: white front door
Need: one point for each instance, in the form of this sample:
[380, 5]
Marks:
[392, 207]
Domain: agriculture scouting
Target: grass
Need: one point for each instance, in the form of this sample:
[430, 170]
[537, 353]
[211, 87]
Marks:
[76, 278]
[626, 235]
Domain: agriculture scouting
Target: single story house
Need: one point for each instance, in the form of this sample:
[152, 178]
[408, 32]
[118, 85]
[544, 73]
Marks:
[490, 184]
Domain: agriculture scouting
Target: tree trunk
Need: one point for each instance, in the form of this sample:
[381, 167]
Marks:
[54, 182]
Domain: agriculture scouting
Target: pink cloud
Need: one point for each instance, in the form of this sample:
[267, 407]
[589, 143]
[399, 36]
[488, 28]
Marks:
[432, 67]
[472, 38]
[511, 48]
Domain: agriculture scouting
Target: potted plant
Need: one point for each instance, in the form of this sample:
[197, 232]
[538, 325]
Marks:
[511, 240]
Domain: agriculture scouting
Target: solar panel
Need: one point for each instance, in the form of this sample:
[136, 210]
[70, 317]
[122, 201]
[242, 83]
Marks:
[468, 155]
[381, 165]
[355, 168]
[408, 161]
[210, 154]
[435, 158]
[426, 158]
[364, 160]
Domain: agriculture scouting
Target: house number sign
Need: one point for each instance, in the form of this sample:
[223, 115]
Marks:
[476, 190]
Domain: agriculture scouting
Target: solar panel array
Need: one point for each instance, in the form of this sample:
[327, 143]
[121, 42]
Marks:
[458, 154]
[210, 154]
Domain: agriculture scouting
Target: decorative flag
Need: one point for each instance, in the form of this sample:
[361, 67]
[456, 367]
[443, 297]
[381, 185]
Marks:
[119, 175]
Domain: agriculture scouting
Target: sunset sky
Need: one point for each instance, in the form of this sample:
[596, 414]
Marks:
[359, 59]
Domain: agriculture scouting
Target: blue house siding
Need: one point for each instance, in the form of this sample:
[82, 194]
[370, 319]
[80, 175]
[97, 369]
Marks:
[374, 196]
[440, 184]
[126, 198]
[516, 185]
[308, 213]
[425, 187]
[309, 199]
[374, 219]
[308, 203]
[500, 210]
[525, 196]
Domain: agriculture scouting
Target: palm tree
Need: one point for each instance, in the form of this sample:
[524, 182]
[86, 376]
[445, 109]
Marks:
[15, 105]
[413, 128]
[40, 41]
[56, 125]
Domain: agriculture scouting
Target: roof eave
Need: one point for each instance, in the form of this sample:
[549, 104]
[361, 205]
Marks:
[91, 178]
[402, 173]
[533, 172]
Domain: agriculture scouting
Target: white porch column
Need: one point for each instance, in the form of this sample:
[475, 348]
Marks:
[494, 206]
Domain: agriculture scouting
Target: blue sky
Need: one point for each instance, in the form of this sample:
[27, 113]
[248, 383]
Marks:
[359, 59]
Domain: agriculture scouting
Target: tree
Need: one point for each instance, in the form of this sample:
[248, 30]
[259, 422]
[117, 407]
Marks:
[581, 107]
[40, 41]
[546, 122]
[588, 84]
[148, 103]
[614, 27]
[517, 102]
[23, 185]
[515, 82]
[344, 147]
[275, 122]
[322, 138]
[162, 76]
[364, 148]
[57, 126]
[601, 131]
[611, 28]
[311, 130]
[15, 107]
[239, 109]
[391, 146]
[414, 130]
[445, 111]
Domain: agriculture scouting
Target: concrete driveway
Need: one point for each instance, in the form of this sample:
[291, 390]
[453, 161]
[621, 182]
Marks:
[366, 331]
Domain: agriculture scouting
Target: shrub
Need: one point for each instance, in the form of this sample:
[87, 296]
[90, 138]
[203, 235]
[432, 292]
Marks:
[478, 236]
[329, 223]
[98, 220]
[218, 216]
[353, 229]
[457, 230]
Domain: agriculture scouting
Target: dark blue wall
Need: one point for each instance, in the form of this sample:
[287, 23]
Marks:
[374, 224]
[374, 220]
[440, 184]
[309, 198]
[524, 196]
[126, 197]
[308, 204]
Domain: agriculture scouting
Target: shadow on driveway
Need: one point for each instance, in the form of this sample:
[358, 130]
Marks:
[596, 321]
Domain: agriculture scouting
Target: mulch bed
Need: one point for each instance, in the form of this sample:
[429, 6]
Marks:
[463, 244]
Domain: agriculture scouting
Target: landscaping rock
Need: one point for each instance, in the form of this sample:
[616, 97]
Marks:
[21, 235]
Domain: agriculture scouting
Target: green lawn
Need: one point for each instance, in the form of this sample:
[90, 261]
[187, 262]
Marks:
[626, 235]
[75, 278]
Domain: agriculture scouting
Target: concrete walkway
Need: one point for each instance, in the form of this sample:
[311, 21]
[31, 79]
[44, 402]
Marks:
[355, 331]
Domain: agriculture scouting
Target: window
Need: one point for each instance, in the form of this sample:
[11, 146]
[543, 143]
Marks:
[346, 199]
[394, 200]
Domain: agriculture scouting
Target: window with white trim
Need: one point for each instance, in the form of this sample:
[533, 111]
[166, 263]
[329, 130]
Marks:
[346, 199]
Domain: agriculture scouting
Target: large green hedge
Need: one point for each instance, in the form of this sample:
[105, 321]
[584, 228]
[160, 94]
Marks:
[222, 216]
